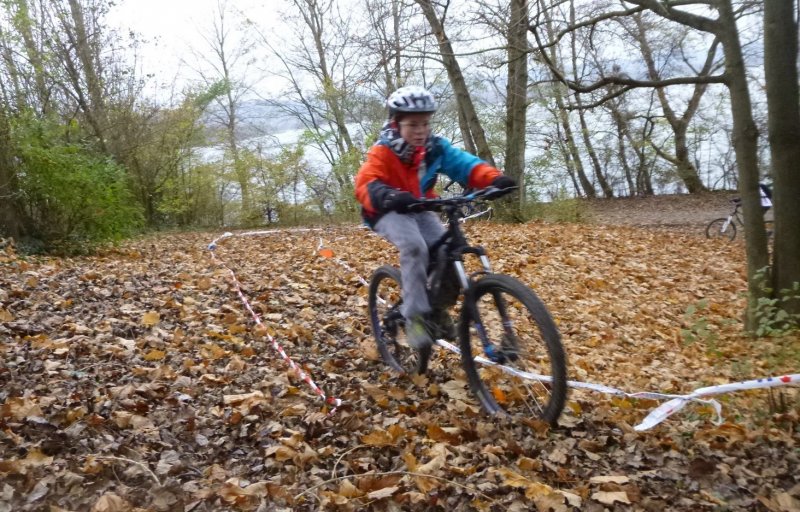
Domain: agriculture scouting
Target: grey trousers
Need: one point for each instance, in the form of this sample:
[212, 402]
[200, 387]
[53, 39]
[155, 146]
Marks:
[412, 234]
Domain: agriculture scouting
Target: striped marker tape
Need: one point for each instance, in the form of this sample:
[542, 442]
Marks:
[674, 404]
[335, 402]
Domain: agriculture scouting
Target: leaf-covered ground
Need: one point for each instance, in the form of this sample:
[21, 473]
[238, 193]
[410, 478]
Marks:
[135, 380]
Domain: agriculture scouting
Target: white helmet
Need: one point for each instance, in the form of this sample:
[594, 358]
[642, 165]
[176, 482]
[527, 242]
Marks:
[412, 99]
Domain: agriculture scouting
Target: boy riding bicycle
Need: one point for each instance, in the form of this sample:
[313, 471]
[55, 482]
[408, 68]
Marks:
[401, 168]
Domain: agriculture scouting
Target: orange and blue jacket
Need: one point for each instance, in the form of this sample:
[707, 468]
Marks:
[383, 172]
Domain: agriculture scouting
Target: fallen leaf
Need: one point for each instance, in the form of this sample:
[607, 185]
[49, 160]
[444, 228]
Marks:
[617, 479]
[378, 438]
[110, 502]
[456, 390]
[150, 318]
[155, 355]
[382, 493]
[609, 498]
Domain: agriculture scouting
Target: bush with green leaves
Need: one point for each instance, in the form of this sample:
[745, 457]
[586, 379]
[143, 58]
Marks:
[772, 318]
[74, 198]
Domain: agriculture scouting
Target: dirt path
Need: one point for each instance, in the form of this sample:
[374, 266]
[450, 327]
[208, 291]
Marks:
[682, 210]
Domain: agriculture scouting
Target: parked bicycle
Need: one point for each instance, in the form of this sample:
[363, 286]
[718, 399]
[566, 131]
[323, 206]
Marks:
[725, 227]
[500, 319]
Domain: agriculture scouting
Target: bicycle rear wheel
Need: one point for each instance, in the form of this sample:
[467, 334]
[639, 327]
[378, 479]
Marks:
[503, 320]
[388, 324]
[723, 227]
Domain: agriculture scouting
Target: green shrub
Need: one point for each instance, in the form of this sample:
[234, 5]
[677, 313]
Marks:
[772, 318]
[74, 198]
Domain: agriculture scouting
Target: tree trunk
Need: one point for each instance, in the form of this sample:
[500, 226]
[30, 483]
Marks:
[622, 130]
[466, 135]
[13, 92]
[587, 140]
[23, 22]
[86, 55]
[780, 66]
[11, 222]
[517, 97]
[563, 116]
[745, 143]
[313, 15]
[608, 192]
[562, 147]
[463, 98]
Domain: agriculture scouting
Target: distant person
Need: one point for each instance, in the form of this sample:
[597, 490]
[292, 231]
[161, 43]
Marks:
[766, 196]
[401, 168]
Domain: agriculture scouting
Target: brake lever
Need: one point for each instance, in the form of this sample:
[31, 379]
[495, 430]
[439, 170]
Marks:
[494, 192]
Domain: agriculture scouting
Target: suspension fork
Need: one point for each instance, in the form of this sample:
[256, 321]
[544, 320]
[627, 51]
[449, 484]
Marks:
[492, 351]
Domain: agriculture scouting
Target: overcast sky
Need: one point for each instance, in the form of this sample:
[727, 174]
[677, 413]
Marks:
[172, 27]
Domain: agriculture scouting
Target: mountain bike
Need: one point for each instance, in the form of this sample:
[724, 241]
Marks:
[501, 322]
[725, 227]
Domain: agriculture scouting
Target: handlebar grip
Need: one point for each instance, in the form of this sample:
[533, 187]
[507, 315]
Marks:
[494, 192]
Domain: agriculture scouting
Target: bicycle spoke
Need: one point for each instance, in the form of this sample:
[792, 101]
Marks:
[514, 331]
[388, 324]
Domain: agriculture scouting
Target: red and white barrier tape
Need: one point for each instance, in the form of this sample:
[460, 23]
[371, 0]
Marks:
[328, 253]
[335, 402]
[666, 409]
[659, 414]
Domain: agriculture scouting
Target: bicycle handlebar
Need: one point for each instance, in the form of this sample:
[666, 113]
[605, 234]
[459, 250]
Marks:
[488, 193]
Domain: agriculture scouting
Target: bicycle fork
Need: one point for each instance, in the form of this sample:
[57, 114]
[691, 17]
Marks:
[508, 349]
[725, 224]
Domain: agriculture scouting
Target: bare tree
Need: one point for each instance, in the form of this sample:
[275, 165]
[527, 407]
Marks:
[560, 93]
[229, 69]
[637, 174]
[330, 87]
[577, 104]
[387, 39]
[679, 123]
[745, 140]
[39, 95]
[517, 95]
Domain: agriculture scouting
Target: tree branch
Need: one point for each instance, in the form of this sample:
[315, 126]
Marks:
[588, 23]
[666, 9]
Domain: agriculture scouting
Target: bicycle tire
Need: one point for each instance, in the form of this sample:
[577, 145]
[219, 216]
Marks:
[388, 325]
[534, 335]
[715, 228]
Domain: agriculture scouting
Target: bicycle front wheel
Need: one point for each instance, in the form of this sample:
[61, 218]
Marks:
[524, 370]
[721, 228]
[388, 324]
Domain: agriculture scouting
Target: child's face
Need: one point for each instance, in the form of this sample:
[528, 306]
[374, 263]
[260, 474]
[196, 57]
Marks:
[414, 128]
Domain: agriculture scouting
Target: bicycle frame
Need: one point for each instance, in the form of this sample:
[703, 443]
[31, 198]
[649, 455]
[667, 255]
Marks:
[450, 250]
[735, 216]
[452, 245]
[455, 246]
